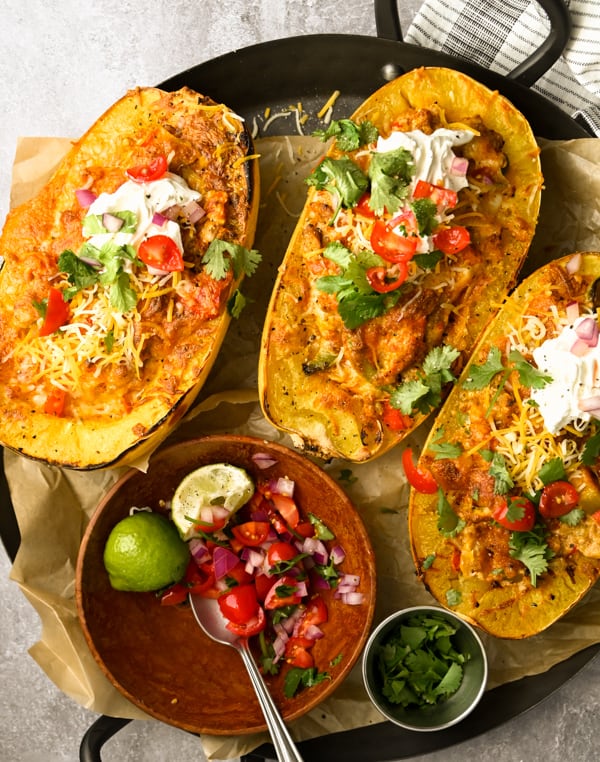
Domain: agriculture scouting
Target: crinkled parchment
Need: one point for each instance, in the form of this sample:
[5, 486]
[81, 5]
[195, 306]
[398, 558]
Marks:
[53, 506]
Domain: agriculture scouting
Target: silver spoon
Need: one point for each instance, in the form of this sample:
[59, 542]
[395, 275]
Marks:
[209, 617]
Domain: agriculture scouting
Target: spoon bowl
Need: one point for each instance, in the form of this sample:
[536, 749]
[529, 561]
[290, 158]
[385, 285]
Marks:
[209, 617]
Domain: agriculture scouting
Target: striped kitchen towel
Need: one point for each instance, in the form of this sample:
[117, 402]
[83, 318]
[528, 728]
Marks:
[500, 34]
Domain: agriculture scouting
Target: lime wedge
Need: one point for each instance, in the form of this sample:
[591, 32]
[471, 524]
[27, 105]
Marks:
[218, 487]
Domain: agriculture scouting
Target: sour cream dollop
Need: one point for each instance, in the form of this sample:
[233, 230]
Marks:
[432, 154]
[144, 200]
[575, 378]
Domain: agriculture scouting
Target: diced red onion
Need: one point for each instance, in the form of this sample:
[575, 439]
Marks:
[159, 219]
[301, 589]
[259, 515]
[590, 404]
[91, 261]
[313, 632]
[111, 222]
[580, 348]
[85, 197]
[587, 330]
[574, 263]
[350, 579]
[193, 211]
[199, 551]
[459, 165]
[282, 486]
[353, 599]
[262, 460]
[279, 647]
[321, 584]
[337, 554]
[172, 212]
[223, 561]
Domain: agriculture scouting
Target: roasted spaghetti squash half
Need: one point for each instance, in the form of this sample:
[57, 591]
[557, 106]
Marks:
[416, 223]
[119, 278]
[508, 536]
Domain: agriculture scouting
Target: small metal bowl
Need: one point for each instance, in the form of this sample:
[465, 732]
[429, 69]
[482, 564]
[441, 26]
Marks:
[446, 712]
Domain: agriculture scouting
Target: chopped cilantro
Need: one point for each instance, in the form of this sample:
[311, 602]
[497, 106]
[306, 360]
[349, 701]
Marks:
[349, 135]
[573, 517]
[419, 663]
[341, 177]
[449, 523]
[357, 302]
[591, 451]
[425, 393]
[428, 261]
[390, 173]
[532, 550]
[499, 470]
[298, 678]
[221, 255]
[428, 561]
[442, 449]
[236, 303]
[552, 471]
[481, 376]
[425, 212]
[453, 597]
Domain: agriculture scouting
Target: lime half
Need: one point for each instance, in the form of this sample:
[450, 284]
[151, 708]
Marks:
[208, 495]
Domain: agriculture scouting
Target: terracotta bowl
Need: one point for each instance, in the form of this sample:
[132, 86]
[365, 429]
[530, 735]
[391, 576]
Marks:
[157, 656]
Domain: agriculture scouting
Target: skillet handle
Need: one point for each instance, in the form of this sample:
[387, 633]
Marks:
[526, 73]
[97, 735]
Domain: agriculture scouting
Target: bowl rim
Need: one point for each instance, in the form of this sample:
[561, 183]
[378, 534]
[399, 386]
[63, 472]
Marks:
[397, 615]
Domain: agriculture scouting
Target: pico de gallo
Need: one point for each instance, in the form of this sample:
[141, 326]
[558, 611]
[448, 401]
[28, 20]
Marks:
[268, 567]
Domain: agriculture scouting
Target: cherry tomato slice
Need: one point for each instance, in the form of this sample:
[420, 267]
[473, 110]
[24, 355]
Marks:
[57, 312]
[283, 593]
[287, 508]
[174, 595]
[419, 479]
[377, 278]
[55, 402]
[199, 579]
[558, 498]
[363, 208]
[280, 551]
[297, 652]
[263, 584]
[523, 524]
[252, 627]
[316, 614]
[251, 533]
[161, 253]
[240, 604]
[452, 240]
[394, 419]
[391, 246]
[443, 197]
[145, 173]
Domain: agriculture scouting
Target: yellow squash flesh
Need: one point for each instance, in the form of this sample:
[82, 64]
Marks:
[472, 570]
[116, 413]
[337, 409]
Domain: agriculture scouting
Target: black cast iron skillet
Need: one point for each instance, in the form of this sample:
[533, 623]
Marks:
[308, 69]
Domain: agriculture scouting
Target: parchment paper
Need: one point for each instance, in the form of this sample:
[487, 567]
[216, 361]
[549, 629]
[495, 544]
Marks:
[53, 506]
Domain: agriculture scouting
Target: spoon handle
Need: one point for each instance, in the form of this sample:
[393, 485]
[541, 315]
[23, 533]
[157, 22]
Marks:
[282, 741]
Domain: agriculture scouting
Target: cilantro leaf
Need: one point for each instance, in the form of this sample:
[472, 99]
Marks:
[80, 274]
[499, 470]
[349, 135]
[481, 376]
[573, 517]
[122, 297]
[449, 523]
[236, 304]
[552, 471]
[428, 261]
[221, 255]
[425, 393]
[298, 678]
[528, 374]
[357, 302]
[425, 212]
[390, 173]
[532, 550]
[341, 177]
[591, 451]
